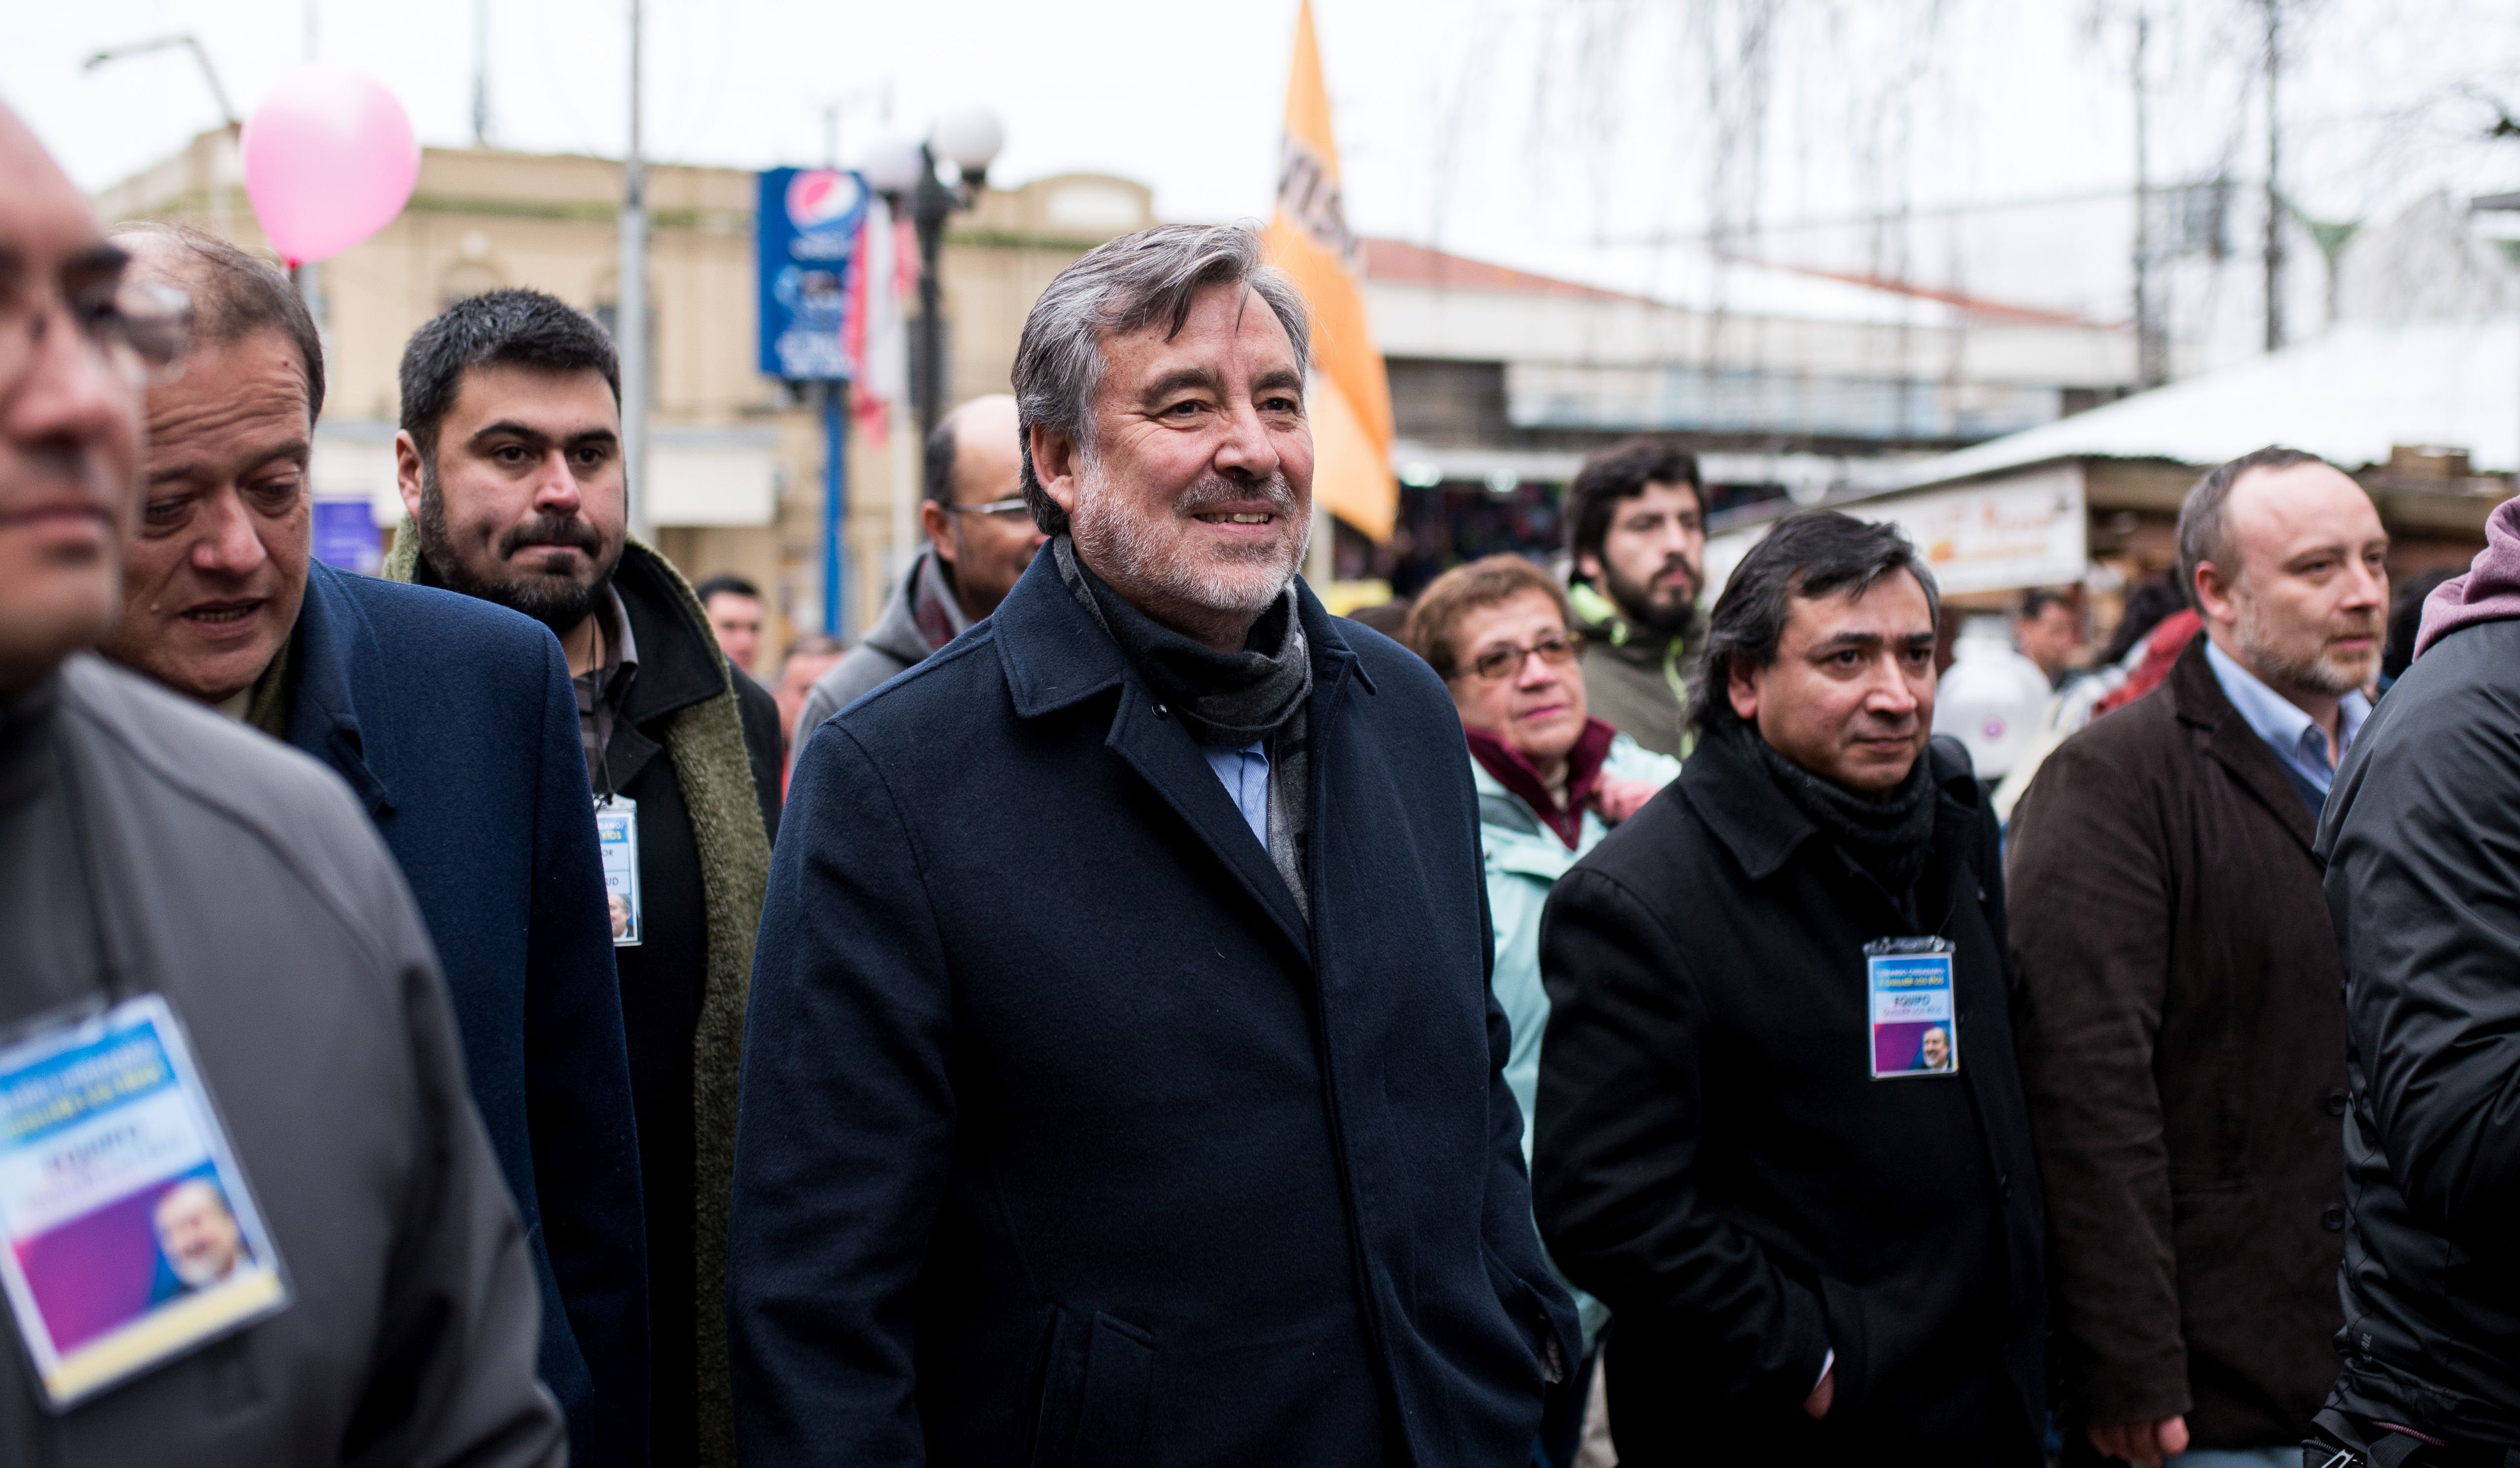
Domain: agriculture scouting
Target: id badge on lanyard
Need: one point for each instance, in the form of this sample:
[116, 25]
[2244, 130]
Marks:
[131, 1236]
[1915, 1019]
[617, 836]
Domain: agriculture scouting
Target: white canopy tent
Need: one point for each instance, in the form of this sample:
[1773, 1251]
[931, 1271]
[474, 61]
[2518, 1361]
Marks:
[2348, 396]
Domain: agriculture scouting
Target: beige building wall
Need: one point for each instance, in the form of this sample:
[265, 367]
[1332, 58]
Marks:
[736, 463]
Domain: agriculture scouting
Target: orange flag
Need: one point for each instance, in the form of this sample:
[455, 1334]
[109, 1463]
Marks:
[1308, 240]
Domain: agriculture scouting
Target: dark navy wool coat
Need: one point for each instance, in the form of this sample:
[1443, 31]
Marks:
[454, 723]
[1064, 1140]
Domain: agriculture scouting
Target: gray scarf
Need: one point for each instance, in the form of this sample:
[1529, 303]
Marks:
[1224, 699]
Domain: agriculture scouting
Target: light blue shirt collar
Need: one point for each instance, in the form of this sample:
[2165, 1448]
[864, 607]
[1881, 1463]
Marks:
[1245, 773]
[2296, 738]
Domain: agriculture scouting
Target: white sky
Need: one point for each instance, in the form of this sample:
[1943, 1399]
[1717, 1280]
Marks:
[1601, 138]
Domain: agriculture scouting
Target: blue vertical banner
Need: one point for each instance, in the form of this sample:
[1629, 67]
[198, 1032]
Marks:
[805, 229]
[806, 239]
[346, 536]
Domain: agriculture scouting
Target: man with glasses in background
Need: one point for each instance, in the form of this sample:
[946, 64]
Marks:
[980, 537]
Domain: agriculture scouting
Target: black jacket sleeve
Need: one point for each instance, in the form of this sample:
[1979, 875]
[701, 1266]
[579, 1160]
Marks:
[1620, 1111]
[2423, 882]
[851, 1017]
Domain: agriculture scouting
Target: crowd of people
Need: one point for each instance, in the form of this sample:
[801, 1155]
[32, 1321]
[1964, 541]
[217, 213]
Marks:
[1118, 1013]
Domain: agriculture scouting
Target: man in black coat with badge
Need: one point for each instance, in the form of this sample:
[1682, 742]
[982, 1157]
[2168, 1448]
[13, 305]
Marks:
[1122, 1085]
[1780, 1129]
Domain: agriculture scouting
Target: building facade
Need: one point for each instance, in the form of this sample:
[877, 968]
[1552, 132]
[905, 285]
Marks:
[734, 471]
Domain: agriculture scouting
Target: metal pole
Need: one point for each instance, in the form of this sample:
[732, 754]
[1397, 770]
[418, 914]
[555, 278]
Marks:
[630, 319]
[929, 205]
[2274, 252]
[2151, 369]
[210, 73]
[835, 506]
[482, 73]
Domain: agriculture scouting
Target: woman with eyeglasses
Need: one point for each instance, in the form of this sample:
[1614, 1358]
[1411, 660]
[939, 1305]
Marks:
[1551, 782]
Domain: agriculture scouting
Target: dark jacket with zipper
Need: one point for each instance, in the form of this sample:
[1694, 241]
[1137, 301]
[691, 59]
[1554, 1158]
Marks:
[453, 723]
[2183, 1051]
[1715, 1163]
[2424, 881]
[1066, 1140]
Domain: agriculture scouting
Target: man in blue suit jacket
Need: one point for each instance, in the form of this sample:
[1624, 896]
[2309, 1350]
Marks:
[1122, 1084]
[454, 724]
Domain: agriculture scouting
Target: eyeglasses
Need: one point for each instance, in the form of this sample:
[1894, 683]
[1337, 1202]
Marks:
[1556, 651]
[995, 509]
[142, 329]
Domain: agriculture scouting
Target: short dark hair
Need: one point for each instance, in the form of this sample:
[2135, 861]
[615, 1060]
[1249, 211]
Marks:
[725, 584]
[511, 328]
[1617, 474]
[940, 461]
[237, 294]
[2036, 601]
[1816, 553]
[2204, 518]
[1436, 616]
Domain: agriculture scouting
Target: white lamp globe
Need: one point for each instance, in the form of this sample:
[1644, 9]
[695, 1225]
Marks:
[891, 165]
[969, 140]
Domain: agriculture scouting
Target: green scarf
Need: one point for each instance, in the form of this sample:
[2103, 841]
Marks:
[705, 742]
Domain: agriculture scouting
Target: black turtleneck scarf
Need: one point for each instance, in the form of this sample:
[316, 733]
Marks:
[1891, 840]
[1224, 699]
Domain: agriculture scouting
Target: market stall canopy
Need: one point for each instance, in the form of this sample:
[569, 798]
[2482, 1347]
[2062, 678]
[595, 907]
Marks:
[2349, 397]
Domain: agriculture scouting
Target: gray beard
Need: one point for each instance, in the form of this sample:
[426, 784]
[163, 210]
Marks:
[198, 1273]
[2319, 672]
[1123, 550]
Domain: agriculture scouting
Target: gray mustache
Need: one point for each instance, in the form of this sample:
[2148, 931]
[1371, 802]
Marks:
[1210, 494]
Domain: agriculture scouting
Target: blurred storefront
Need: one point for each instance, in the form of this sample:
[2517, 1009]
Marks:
[1501, 380]
[2426, 414]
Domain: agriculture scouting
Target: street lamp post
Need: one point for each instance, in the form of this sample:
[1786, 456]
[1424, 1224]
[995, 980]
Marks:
[931, 203]
[969, 142]
[630, 307]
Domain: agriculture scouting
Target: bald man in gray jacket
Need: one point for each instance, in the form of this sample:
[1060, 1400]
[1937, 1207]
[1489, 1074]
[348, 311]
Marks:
[153, 848]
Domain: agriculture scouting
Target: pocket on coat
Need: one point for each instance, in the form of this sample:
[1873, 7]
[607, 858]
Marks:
[1096, 1381]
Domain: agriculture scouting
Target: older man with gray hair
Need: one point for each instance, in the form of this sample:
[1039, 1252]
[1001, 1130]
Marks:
[1122, 1084]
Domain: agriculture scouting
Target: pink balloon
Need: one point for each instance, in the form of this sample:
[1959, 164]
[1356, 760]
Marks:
[329, 159]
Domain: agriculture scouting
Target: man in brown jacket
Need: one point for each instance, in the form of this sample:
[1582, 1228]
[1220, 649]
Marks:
[2181, 1038]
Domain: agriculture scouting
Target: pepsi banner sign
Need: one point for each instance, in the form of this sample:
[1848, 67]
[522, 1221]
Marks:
[806, 239]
